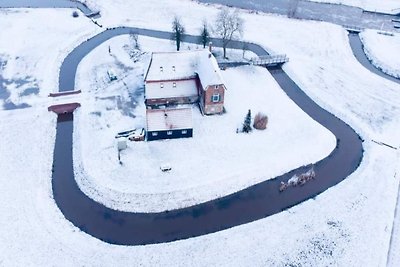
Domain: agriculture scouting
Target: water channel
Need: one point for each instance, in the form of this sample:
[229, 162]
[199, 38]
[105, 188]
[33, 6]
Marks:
[253, 203]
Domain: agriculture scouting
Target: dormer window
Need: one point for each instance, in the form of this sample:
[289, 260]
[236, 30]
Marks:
[173, 68]
[161, 69]
[161, 85]
[174, 85]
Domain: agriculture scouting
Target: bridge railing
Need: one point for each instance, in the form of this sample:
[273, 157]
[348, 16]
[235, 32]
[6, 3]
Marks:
[269, 60]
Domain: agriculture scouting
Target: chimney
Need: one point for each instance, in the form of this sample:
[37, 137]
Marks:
[210, 47]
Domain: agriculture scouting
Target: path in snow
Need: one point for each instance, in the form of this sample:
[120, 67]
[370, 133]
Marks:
[253, 203]
[334, 13]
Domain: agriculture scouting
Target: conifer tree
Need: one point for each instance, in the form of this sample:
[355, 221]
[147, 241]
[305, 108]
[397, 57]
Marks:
[247, 122]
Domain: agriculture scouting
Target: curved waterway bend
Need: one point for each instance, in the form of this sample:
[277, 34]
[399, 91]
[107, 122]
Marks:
[358, 50]
[250, 204]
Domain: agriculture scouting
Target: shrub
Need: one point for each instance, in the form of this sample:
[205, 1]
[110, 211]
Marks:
[260, 121]
[75, 14]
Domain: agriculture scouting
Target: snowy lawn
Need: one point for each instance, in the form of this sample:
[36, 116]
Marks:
[217, 161]
[335, 228]
[33, 44]
[385, 6]
[383, 51]
[321, 60]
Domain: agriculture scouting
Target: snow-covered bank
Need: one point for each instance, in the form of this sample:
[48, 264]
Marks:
[216, 162]
[327, 70]
[383, 6]
[336, 228]
[382, 51]
[34, 43]
[325, 64]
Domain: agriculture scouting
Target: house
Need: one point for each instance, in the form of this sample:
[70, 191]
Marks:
[182, 78]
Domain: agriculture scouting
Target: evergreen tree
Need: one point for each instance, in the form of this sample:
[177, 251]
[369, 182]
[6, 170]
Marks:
[247, 123]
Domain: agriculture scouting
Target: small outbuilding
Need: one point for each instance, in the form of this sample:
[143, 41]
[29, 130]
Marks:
[169, 123]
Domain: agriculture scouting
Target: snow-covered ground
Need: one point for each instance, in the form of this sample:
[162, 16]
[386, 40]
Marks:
[217, 161]
[385, 6]
[348, 225]
[32, 47]
[383, 51]
[325, 69]
[336, 228]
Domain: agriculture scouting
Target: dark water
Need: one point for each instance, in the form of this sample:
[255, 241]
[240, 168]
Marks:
[358, 51]
[69, 66]
[253, 203]
[302, 9]
[45, 4]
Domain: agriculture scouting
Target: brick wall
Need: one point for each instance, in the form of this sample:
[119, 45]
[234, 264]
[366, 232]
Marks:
[211, 107]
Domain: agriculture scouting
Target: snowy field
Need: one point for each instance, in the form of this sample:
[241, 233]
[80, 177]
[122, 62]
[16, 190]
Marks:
[335, 228]
[324, 68]
[385, 6]
[230, 161]
[31, 55]
[379, 49]
[329, 230]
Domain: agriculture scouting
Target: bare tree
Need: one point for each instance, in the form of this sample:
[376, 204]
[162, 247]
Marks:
[245, 47]
[292, 9]
[177, 32]
[134, 37]
[204, 34]
[228, 26]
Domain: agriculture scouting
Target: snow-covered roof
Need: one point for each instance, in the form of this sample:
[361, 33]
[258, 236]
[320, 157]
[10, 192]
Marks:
[171, 89]
[171, 66]
[169, 119]
[208, 70]
[185, 64]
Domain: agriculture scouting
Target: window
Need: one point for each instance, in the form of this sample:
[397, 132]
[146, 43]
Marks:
[161, 69]
[184, 131]
[154, 134]
[215, 98]
[161, 85]
[169, 133]
[174, 85]
[216, 87]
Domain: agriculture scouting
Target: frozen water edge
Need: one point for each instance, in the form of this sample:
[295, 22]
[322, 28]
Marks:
[336, 228]
[381, 50]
